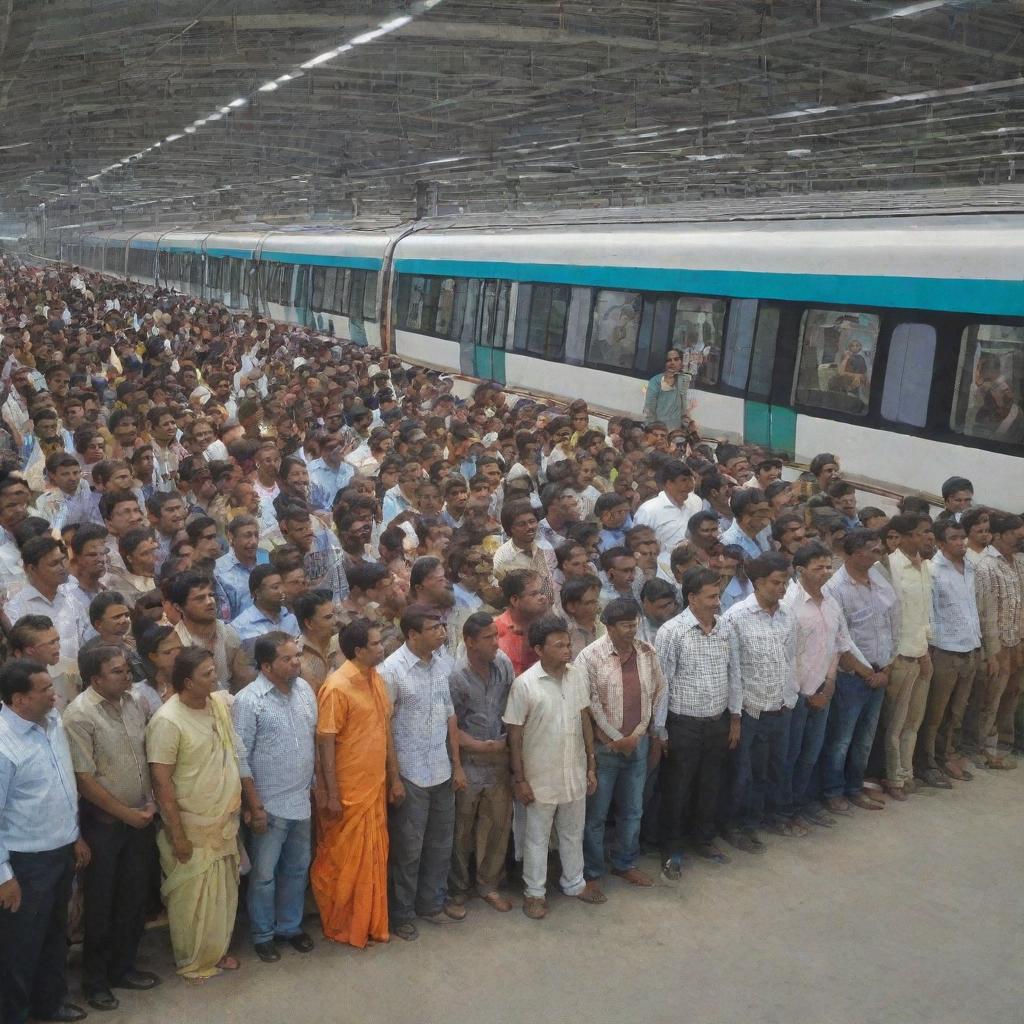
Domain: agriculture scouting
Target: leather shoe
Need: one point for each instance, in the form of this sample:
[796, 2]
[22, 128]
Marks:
[67, 1013]
[934, 778]
[301, 943]
[267, 952]
[838, 805]
[137, 981]
[102, 999]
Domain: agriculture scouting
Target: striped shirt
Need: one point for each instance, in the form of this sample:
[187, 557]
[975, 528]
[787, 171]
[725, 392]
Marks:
[696, 668]
[955, 622]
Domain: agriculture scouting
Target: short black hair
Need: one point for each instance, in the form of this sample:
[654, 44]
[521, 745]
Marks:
[806, 553]
[856, 540]
[179, 588]
[306, 604]
[514, 583]
[695, 580]
[540, 629]
[415, 617]
[355, 636]
[92, 659]
[35, 550]
[620, 609]
[476, 624]
[102, 601]
[954, 484]
[764, 565]
[25, 630]
[266, 647]
[16, 677]
[943, 527]
[743, 497]
[258, 575]
[85, 533]
[575, 590]
[657, 589]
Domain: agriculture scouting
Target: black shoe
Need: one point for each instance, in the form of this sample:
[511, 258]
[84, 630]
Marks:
[301, 943]
[102, 999]
[137, 981]
[267, 952]
[65, 1014]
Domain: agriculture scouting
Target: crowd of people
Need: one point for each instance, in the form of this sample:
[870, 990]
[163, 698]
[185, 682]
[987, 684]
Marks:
[281, 609]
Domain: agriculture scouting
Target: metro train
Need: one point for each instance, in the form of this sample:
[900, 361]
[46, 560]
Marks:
[895, 341]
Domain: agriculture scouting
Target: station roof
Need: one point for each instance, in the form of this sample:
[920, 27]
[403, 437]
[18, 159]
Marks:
[119, 111]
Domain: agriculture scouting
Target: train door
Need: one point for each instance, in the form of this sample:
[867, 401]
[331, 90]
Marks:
[768, 420]
[480, 319]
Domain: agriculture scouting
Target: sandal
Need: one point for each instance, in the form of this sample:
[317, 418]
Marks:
[592, 894]
[496, 900]
[228, 963]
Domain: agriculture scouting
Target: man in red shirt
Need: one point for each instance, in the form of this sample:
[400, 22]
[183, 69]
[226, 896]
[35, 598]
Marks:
[527, 600]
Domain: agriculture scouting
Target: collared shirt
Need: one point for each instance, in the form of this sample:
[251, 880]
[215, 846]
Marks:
[80, 599]
[465, 599]
[395, 503]
[38, 798]
[325, 481]
[956, 625]
[821, 636]
[234, 577]
[549, 535]
[601, 664]
[762, 652]
[667, 519]
[696, 668]
[224, 648]
[579, 637]
[872, 613]
[325, 568]
[479, 704]
[913, 586]
[60, 509]
[554, 754]
[316, 664]
[108, 742]
[999, 584]
[541, 559]
[735, 591]
[752, 546]
[61, 611]
[422, 705]
[253, 623]
[647, 630]
[513, 641]
[278, 734]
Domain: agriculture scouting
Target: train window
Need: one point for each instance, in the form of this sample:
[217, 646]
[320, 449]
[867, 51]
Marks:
[762, 361]
[908, 374]
[697, 334]
[317, 298]
[837, 350]
[990, 383]
[369, 294]
[445, 307]
[739, 343]
[545, 332]
[331, 296]
[414, 305]
[354, 296]
[467, 301]
[614, 326]
[301, 286]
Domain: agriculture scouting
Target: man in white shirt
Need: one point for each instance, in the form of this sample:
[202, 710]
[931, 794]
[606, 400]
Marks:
[669, 513]
[554, 769]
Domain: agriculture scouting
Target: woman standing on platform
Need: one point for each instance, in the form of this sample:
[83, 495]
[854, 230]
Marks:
[194, 762]
[668, 393]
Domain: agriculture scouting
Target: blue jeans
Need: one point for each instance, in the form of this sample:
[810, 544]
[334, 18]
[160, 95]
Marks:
[620, 779]
[277, 883]
[852, 722]
[806, 738]
[760, 767]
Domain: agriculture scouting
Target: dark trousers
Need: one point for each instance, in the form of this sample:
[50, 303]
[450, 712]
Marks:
[422, 827]
[760, 767]
[33, 942]
[691, 775]
[115, 889]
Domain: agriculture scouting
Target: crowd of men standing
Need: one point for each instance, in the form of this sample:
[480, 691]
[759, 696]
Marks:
[282, 609]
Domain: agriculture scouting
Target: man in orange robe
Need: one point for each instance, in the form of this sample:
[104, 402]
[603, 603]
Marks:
[350, 870]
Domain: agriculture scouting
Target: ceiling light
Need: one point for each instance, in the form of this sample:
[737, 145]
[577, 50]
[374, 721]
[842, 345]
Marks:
[190, 130]
[322, 58]
[240, 102]
[268, 87]
[172, 138]
[395, 23]
[368, 37]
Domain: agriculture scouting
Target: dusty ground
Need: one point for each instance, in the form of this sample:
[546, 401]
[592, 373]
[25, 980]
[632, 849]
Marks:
[912, 914]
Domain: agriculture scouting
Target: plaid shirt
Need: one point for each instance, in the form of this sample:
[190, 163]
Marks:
[696, 667]
[762, 657]
[1000, 587]
[422, 705]
[602, 669]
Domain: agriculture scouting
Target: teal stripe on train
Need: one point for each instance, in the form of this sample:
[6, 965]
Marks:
[273, 256]
[1003, 298]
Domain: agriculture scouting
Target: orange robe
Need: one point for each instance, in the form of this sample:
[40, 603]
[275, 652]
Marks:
[350, 871]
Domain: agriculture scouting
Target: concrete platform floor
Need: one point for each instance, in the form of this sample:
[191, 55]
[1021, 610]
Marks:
[911, 914]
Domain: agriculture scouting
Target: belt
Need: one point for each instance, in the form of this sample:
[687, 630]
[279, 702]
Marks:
[772, 714]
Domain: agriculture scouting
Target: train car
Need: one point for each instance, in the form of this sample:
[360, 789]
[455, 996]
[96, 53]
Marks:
[327, 279]
[897, 342]
[229, 260]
